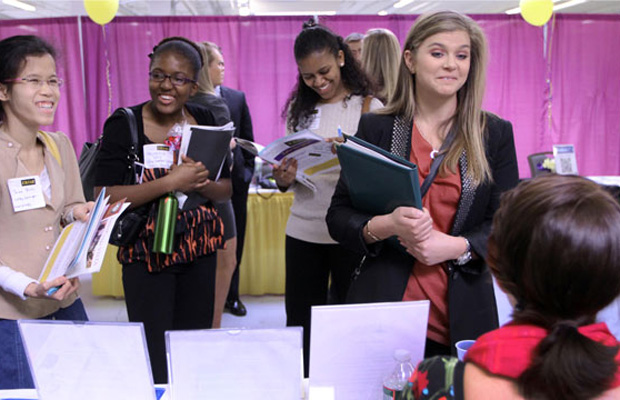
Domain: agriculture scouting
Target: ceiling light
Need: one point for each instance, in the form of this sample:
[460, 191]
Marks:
[402, 3]
[244, 11]
[513, 11]
[20, 5]
[517, 10]
[568, 4]
[383, 13]
[295, 13]
[417, 7]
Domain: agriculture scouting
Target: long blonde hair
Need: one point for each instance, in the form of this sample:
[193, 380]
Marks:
[380, 61]
[468, 121]
[205, 85]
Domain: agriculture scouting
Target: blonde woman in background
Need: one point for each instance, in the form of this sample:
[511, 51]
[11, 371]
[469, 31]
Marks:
[380, 61]
[206, 96]
[226, 256]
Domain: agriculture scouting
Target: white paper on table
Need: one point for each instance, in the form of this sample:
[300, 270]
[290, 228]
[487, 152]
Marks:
[88, 360]
[235, 364]
[504, 308]
[352, 346]
[565, 159]
[609, 180]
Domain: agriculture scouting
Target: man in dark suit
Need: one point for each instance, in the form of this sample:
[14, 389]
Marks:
[241, 175]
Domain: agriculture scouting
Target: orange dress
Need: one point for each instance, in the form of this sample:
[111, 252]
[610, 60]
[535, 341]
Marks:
[430, 282]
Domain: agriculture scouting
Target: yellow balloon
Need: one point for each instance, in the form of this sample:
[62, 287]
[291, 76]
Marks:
[536, 12]
[101, 11]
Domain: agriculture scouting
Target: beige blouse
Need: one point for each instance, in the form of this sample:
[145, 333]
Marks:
[26, 237]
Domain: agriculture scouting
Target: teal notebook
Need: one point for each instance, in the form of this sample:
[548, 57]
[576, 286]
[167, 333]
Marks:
[378, 181]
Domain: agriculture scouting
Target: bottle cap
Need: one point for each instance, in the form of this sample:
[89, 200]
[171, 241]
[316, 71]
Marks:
[402, 355]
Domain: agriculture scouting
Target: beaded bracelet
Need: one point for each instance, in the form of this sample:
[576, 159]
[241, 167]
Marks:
[372, 235]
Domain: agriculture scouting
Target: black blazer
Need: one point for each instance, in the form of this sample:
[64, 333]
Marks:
[385, 271]
[243, 161]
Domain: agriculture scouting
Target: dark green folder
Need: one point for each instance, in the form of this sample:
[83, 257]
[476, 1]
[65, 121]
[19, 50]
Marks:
[376, 185]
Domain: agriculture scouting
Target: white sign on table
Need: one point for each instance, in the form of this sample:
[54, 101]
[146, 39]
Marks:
[88, 360]
[352, 346]
[565, 160]
[235, 364]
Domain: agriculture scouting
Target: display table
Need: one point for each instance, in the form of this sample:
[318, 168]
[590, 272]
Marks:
[262, 265]
[161, 393]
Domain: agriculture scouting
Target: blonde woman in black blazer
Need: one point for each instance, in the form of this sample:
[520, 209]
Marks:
[441, 82]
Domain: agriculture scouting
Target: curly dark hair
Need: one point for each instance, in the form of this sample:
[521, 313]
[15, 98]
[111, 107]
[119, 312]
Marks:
[316, 38]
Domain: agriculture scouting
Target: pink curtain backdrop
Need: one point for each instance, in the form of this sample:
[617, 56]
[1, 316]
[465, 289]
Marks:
[560, 87]
[585, 105]
[63, 34]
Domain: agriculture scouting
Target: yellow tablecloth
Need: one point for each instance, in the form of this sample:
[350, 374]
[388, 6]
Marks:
[262, 265]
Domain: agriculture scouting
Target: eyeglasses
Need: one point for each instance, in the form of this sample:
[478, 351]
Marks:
[177, 79]
[54, 83]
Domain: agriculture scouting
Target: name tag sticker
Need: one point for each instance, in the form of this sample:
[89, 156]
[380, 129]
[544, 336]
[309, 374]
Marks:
[157, 156]
[316, 119]
[26, 193]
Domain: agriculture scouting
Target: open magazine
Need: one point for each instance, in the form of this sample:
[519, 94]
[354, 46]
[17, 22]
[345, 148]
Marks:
[313, 154]
[81, 246]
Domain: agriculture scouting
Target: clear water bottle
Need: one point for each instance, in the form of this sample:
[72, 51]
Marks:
[395, 382]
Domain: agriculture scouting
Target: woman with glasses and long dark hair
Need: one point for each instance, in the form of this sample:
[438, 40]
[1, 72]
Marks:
[29, 96]
[166, 291]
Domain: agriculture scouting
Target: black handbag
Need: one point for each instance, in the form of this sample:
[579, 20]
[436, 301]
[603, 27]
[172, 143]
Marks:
[87, 167]
[88, 156]
[128, 226]
[132, 221]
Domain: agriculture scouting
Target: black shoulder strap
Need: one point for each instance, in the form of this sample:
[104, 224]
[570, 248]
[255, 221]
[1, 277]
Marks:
[132, 157]
[436, 163]
[432, 173]
[133, 127]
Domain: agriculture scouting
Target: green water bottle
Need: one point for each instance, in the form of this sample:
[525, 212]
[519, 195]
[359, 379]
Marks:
[166, 224]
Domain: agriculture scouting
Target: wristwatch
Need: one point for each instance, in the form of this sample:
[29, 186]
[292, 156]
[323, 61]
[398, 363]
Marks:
[465, 257]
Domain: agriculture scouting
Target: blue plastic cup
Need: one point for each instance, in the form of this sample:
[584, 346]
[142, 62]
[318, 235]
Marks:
[462, 347]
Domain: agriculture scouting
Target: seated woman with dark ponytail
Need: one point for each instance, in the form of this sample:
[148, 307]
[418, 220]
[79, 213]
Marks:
[554, 249]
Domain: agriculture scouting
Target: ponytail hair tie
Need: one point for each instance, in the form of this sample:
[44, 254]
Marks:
[564, 326]
[311, 23]
[520, 306]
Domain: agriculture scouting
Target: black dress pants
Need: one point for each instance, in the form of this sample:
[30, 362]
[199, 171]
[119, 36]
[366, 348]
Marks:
[309, 267]
[177, 298]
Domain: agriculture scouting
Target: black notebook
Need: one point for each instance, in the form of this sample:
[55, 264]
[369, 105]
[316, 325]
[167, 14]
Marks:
[209, 145]
[378, 181]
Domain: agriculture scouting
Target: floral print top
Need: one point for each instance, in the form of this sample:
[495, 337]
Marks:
[436, 378]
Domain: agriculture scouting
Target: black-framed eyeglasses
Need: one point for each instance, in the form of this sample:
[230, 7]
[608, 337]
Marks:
[54, 83]
[177, 79]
